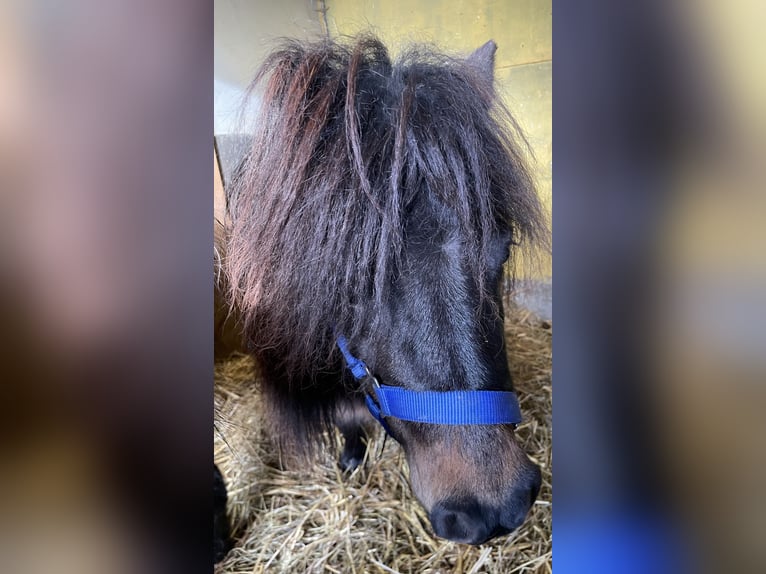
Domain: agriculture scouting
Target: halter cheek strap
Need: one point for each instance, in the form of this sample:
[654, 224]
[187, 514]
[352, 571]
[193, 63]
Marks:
[441, 408]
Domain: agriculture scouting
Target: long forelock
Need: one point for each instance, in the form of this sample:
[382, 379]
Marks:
[344, 143]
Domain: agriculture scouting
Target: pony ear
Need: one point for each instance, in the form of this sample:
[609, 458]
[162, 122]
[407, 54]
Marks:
[484, 59]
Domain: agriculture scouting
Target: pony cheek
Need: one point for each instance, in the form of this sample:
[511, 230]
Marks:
[419, 485]
[417, 472]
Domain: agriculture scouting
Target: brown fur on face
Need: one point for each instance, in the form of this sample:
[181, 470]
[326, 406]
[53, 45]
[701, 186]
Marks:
[483, 462]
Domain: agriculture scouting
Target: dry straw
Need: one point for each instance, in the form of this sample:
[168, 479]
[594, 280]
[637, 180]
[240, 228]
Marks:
[316, 519]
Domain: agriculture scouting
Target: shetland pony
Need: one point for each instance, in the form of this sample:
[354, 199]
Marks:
[380, 200]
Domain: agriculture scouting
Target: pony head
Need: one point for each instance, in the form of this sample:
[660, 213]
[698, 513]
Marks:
[382, 199]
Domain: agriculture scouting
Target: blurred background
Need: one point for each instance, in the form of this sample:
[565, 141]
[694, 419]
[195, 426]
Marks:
[105, 285]
[106, 122]
[659, 259]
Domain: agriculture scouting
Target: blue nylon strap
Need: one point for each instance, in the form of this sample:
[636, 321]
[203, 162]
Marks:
[449, 408]
[357, 366]
[444, 408]
[375, 412]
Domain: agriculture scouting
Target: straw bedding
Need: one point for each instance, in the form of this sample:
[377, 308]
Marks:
[316, 519]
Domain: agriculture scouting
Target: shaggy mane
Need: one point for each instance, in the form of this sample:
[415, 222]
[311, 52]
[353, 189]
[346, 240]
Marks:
[345, 140]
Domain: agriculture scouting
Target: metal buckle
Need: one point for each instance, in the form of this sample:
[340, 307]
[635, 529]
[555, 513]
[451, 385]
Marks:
[372, 393]
[368, 375]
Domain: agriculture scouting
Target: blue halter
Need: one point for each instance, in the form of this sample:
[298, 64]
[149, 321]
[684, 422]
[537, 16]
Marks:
[441, 408]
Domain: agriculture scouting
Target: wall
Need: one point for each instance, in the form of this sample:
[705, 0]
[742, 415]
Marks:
[245, 32]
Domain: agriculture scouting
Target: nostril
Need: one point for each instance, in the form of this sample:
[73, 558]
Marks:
[450, 525]
[460, 522]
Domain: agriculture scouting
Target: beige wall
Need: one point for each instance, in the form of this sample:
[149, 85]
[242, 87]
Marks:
[522, 31]
[247, 30]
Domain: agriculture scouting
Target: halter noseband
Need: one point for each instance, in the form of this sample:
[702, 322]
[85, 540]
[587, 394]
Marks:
[441, 408]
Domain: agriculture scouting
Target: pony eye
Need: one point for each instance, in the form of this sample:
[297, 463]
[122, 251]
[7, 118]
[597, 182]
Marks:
[506, 253]
[500, 254]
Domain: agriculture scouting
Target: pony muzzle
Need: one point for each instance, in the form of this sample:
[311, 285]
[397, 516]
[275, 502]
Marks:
[469, 521]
